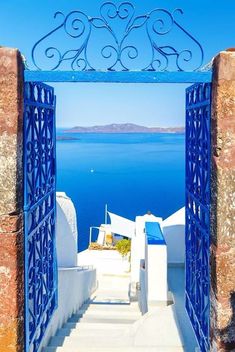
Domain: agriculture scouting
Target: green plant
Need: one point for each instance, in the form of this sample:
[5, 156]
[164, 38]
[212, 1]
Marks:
[124, 247]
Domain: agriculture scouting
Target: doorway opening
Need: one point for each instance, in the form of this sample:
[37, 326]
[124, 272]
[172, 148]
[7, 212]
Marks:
[126, 151]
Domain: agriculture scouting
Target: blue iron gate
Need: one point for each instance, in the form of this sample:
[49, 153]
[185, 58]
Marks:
[198, 114]
[39, 211]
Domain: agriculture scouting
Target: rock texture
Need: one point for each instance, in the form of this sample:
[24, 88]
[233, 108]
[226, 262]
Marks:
[11, 202]
[223, 204]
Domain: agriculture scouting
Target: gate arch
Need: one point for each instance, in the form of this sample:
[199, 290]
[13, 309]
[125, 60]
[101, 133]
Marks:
[39, 160]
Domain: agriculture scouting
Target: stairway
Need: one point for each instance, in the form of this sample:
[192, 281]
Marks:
[96, 325]
[108, 322]
[103, 326]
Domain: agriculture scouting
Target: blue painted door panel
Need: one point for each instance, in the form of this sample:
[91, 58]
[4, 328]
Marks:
[39, 211]
[198, 144]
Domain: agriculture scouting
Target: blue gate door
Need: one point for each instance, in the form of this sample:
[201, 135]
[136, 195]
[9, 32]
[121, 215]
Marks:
[198, 115]
[39, 211]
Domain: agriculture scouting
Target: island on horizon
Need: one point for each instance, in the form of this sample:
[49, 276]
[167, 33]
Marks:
[124, 128]
[67, 138]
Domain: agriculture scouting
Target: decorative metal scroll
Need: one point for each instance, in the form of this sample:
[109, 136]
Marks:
[118, 40]
[39, 211]
[198, 114]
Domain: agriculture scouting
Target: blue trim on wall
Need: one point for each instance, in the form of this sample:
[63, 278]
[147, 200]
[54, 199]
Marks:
[118, 77]
[154, 233]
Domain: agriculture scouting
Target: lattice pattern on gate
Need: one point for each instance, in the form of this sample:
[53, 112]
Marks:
[198, 114]
[39, 211]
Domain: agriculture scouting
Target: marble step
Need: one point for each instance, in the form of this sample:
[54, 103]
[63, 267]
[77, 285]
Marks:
[97, 341]
[102, 331]
[111, 319]
[110, 307]
[114, 349]
[93, 326]
[108, 312]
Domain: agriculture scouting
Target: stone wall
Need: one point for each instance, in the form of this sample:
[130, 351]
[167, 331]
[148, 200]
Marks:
[223, 204]
[11, 202]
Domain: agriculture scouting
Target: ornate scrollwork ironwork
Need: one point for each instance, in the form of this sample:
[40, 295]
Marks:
[123, 41]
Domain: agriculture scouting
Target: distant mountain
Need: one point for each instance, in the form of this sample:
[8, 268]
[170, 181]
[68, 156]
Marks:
[124, 128]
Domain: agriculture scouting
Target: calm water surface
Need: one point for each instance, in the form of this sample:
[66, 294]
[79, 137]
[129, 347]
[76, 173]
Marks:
[132, 173]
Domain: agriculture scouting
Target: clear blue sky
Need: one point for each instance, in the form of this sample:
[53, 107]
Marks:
[212, 22]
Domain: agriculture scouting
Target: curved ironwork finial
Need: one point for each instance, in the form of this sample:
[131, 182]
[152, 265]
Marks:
[118, 40]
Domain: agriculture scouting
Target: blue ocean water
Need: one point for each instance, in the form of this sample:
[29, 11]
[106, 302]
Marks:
[132, 173]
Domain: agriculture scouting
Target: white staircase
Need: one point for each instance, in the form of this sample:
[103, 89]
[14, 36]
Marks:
[110, 323]
[111, 326]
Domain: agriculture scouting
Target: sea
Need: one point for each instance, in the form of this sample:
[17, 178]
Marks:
[131, 173]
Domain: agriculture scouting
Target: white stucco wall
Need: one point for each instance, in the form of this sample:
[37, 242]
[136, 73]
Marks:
[138, 244]
[142, 292]
[174, 233]
[105, 261]
[75, 286]
[156, 269]
[66, 231]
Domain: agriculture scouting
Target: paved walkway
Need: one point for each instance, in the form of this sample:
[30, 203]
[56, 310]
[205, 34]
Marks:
[176, 283]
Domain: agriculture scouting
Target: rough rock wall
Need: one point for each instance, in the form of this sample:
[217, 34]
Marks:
[11, 202]
[223, 204]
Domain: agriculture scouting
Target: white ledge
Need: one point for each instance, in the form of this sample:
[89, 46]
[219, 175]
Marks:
[76, 268]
